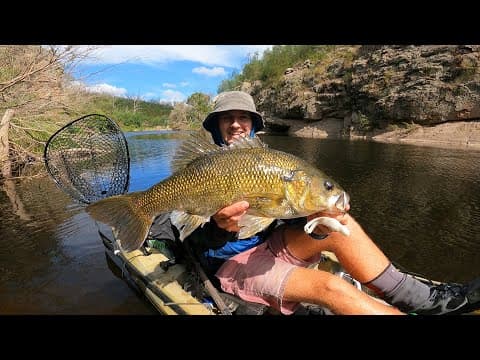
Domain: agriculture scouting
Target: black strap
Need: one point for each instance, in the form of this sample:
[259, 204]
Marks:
[212, 291]
[318, 236]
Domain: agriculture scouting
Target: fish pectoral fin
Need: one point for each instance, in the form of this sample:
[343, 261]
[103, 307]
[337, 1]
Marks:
[272, 206]
[250, 225]
[186, 223]
[260, 201]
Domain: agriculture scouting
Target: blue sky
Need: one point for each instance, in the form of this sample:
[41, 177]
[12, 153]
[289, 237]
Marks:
[166, 73]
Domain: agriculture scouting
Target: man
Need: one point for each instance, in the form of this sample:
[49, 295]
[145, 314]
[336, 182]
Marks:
[272, 267]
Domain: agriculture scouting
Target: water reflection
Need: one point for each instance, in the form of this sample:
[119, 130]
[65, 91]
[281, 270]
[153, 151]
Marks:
[54, 263]
[421, 205]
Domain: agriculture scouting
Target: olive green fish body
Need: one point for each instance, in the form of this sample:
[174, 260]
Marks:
[207, 178]
[213, 182]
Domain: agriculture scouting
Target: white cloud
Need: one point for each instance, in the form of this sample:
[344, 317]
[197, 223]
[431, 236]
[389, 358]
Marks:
[77, 84]
[174, 86]
[215, 71]
[171, 96]
[210, 55]
[107, 89]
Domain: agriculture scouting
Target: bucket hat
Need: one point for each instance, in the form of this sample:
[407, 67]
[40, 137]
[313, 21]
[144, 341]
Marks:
[233, 100]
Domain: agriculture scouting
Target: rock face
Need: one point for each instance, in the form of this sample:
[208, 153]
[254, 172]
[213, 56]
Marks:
[364, 90]
[422, 84]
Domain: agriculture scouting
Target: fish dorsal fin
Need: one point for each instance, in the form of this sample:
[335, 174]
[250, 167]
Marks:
[192, 148]
[246, 143]
[196, 145]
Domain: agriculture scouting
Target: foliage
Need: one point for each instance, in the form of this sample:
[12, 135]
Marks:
[232, 83]
[35, 83]
[364, 123]
[190, 115]
[272, 65]
[130, 114]
[179, 116]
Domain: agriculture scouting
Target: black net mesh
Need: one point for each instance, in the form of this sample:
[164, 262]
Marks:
[88, 158]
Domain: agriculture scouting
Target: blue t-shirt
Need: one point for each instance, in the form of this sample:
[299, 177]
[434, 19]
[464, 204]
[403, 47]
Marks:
[232, 248]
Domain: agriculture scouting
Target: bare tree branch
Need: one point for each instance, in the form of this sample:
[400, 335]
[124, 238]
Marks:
[36, 81]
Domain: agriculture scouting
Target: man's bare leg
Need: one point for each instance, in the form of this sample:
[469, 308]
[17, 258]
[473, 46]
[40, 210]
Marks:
[325, 289]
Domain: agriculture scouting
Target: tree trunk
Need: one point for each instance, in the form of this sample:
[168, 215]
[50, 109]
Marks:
[4, 147]
[17, 204]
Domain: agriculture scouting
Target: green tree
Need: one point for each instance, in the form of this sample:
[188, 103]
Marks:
[189, 115]
[271, 66]
[178, 118]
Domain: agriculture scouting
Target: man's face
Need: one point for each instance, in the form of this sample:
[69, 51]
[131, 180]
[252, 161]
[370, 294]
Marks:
[234, 124]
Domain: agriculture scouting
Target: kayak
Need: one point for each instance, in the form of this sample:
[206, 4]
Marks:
[177, 285]
[89, 160]
[168, 275]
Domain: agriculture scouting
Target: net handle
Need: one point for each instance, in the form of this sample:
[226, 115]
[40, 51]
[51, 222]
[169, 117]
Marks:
[68, 125]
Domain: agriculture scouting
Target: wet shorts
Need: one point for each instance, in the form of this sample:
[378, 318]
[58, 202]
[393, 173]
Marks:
[259, 274]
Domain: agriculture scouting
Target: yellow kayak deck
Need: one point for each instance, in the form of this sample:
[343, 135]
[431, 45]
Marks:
[164, 288]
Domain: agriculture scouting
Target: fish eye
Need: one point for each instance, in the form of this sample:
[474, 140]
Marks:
[328, 185]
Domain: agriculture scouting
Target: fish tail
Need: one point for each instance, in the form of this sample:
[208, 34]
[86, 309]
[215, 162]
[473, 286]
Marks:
[130, 224]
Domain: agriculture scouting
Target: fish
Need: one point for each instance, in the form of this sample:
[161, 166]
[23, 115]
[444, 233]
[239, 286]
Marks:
[206, 177]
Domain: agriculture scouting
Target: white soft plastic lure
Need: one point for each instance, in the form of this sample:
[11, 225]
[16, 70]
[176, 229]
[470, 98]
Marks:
[331, 223]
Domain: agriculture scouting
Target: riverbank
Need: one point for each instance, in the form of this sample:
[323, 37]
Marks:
[457, 134]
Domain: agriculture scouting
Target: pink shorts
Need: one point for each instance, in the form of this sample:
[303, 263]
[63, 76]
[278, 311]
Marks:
[259, 274]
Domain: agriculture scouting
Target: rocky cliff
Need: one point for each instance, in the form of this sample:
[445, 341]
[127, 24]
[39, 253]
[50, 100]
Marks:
[386, 93]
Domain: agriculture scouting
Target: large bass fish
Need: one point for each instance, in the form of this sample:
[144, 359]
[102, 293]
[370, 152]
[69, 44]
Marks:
[206, 178]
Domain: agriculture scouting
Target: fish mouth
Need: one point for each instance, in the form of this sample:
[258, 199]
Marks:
[343, 202]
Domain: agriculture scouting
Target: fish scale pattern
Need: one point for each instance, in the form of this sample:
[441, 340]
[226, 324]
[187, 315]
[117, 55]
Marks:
[215, 180]
[276, 184]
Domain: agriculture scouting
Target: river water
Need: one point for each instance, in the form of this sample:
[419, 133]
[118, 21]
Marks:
[420, 204]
